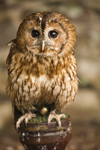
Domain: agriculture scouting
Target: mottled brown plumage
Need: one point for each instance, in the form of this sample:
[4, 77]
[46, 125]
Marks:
[41, 63]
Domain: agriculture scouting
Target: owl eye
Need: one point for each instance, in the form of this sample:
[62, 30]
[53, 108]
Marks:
[53, 34]
[35, 33]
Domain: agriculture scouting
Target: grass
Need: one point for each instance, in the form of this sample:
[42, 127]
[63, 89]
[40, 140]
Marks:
[39, 118]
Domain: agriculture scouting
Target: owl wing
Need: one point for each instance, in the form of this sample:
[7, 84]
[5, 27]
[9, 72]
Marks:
[12, 43]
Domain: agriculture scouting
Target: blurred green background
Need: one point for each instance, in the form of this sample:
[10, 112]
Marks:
[85, 111]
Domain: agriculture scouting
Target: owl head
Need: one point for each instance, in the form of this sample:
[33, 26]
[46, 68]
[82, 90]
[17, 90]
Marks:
[46, 33]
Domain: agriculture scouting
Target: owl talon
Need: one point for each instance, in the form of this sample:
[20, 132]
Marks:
[27, 116]
[53, 115]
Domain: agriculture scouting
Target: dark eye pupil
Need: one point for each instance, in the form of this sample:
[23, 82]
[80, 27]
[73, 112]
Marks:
[35, 33]
[53, 34]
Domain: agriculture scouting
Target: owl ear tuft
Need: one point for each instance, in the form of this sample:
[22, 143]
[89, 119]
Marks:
[11, 42]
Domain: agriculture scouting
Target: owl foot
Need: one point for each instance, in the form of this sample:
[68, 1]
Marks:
[53, 115]
[27, 116]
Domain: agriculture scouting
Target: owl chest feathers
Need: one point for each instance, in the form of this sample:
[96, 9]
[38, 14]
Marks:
[42, 80]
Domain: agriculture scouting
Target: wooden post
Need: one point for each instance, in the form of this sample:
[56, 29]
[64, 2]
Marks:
[41, 136]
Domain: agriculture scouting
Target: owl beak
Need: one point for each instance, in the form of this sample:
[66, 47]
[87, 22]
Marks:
[43, 45]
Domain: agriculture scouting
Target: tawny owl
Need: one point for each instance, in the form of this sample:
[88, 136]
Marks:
[42, 66]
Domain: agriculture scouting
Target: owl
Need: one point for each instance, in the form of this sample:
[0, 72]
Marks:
[42, 67]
